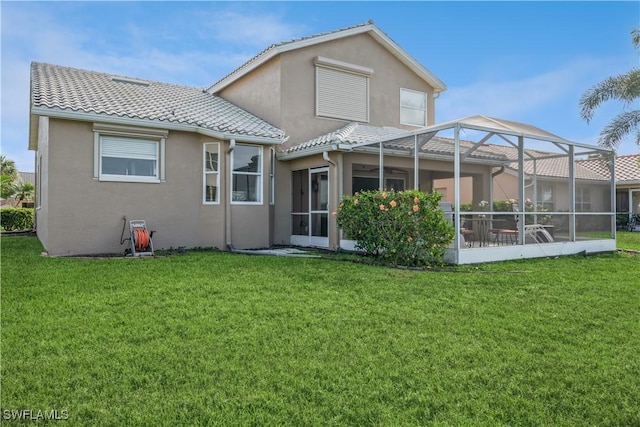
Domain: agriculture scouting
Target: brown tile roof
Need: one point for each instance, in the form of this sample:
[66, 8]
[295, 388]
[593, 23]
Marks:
[628, 168]
[57, 88]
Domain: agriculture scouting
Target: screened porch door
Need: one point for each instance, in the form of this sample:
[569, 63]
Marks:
[310, 207]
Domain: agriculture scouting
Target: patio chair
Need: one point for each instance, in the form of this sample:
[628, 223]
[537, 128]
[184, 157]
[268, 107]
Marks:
[537, 232]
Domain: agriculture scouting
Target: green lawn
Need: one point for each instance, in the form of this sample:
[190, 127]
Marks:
[210, 338]
[628, 240]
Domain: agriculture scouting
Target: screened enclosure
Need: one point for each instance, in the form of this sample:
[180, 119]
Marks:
[514, 190]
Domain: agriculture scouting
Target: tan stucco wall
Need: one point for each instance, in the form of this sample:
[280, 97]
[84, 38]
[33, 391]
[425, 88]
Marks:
[282, 91]
[42, 189]
[85, 216]
[259, 92]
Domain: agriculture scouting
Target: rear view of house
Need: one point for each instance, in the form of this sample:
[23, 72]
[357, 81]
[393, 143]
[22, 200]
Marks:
[263, 156]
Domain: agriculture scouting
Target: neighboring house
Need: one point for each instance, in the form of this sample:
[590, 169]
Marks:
[260, 158]
[28, 202]
[628, 183]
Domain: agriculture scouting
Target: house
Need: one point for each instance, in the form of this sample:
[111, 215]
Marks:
[262, 156]
[628, 184]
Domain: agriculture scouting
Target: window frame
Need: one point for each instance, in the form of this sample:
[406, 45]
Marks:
[259, 175]
[129, 134]
[405, 107]
[272, 176]
[580, 193]
[206, 173]
[548, 205]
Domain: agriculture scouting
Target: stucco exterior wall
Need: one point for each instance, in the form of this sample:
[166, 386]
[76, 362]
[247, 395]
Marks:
[389, 75]
[42, 186]
[282, 91]
[85, 215]
[259, 92]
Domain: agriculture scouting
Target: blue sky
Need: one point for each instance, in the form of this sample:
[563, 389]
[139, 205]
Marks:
[523, 61]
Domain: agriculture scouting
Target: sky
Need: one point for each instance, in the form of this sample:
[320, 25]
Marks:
[522, 61]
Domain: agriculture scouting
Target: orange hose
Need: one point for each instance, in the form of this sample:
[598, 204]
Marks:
[142, 239]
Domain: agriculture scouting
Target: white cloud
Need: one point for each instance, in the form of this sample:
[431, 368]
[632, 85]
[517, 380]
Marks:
[515, 98]
[247, 28]
[196, 57]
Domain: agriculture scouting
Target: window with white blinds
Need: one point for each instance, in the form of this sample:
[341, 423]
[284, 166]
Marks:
[128, 159]
[342, 94]
[413, 107]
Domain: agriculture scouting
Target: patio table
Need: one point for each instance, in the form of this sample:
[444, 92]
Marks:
[483, 225]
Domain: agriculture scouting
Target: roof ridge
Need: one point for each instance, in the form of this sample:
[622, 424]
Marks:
[284, 43]
[345, 131]
[116, 76]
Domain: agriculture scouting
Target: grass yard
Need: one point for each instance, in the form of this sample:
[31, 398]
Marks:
[210, 338]
[628, 240]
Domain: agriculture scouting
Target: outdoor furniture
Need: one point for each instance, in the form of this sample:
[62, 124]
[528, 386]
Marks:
[538, 232]
[482, 226]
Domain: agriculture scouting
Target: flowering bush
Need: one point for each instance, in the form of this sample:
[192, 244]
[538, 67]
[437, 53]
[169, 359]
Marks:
[404, 228]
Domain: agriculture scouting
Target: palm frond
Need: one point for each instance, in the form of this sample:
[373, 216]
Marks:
[624, 87]
[621, 126]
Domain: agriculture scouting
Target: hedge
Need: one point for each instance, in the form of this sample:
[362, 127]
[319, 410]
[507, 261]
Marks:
[16, 219]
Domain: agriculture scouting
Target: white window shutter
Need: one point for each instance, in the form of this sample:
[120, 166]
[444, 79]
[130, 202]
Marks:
[342, 95]
[129, 148]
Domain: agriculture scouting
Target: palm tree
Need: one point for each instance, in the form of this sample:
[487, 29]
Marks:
[23, 191]
[624, 87]
[8, 167]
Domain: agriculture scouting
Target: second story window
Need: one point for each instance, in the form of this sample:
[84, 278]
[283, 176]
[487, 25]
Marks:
[342, 90]
[413, 107]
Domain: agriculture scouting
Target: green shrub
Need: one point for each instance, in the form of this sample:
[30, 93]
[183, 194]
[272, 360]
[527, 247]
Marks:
[403, 228]
[14, 219]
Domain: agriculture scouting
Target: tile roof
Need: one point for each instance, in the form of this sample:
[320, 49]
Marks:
[628, 168]
[357, 135]
[555, 167]
[105, 95]
[352, 133]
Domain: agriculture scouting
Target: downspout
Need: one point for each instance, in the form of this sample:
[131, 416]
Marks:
[325, 156]
[232, 145]
[498, 172]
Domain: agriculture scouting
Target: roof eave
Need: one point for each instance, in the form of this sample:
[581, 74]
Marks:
[156, 124]
[306, 152]
[437, 84]
[377, 34]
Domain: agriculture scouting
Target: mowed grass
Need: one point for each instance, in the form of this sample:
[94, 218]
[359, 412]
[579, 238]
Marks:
[212, 338]
[628, 240]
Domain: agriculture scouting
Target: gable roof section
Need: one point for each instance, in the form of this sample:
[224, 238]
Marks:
[367, 27]
[87, 95]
